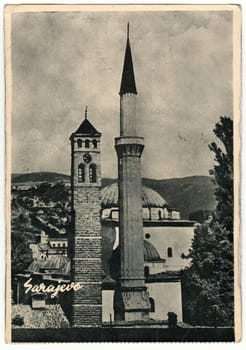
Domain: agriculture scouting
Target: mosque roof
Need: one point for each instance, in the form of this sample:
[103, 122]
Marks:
[150, 197]
[150, 252]
[150, 255]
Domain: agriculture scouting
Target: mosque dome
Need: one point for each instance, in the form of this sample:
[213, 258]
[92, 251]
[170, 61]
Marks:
[150, 197]
[150, 252]
[150, 255]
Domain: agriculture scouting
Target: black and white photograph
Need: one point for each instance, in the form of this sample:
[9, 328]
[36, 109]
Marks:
[122, 173]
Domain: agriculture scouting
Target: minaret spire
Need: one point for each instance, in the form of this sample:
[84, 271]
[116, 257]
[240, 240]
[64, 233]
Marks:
[128, 84]
[86, 109]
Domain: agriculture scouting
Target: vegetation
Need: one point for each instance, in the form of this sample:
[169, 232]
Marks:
[49, 202]
[200, 216]
[208, 283]
[21, 254]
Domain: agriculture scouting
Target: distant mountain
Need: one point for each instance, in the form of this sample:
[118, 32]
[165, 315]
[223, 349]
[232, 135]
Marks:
[188, 194]
[43, 176]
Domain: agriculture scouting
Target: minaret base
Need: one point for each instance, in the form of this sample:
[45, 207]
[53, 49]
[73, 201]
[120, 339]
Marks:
[131, 304]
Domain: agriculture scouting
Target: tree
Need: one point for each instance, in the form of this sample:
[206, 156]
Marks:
[208, 297]
[200, 215]
[223, 173]
[21, 254]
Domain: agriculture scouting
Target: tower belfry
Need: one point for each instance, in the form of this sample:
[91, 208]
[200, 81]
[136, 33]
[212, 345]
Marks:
[131, 301]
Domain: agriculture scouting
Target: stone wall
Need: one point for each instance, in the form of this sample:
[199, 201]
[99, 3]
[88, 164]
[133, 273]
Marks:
[86, 257]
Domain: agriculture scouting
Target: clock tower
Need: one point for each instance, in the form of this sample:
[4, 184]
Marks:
[85, 241]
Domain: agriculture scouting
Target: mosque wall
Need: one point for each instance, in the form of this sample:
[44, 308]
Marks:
[107, 305]
[171, 242]
[167, 297]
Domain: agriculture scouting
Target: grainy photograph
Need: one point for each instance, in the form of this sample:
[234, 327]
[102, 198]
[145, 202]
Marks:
[122, 126]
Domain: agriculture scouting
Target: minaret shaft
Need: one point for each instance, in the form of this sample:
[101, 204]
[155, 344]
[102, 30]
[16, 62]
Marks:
[131, 227]
[128, 123]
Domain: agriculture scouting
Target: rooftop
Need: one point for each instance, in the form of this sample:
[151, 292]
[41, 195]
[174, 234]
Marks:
[52, 316]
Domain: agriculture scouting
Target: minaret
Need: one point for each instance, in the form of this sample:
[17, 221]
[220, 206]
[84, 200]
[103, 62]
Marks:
[85, 241]
[131, 301]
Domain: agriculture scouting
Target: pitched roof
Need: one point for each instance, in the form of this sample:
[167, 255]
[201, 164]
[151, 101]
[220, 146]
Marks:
[128, 84]
[86, 128]
[60, 264]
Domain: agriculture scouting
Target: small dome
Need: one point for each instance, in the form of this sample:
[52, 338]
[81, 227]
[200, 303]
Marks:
[150, 252]
[150, 255]
[150, 197]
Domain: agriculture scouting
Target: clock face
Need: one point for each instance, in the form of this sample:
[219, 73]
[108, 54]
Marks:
[87, 157]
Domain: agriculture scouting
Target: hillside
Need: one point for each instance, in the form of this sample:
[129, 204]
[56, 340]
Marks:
[43, 176]
[188, 194]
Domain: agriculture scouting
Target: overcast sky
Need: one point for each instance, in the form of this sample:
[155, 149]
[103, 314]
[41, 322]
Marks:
[62, 61]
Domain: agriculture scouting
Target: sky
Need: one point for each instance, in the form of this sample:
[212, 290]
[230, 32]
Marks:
[63, 61]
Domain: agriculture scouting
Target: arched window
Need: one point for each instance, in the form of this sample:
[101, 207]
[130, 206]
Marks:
[87, 143]
[152, 305]
[93, 173]
[146, 271]
[81, 173]
[79, 143]
[169, 252]
[94, 143]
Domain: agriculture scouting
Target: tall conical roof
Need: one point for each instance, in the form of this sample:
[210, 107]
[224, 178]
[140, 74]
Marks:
[128, 84]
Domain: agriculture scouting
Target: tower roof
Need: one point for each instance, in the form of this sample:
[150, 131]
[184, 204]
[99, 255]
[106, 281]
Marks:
[128, 84]
[86, 128]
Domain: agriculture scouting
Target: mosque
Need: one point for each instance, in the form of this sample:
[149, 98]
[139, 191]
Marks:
[126, 244]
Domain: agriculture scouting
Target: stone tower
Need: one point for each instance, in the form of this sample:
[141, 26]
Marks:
[85, 242]
[131, 301]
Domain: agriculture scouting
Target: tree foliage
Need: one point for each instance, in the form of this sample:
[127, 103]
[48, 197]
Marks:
[223, 173]
[208, 283]
[21, 254]
[200, 215]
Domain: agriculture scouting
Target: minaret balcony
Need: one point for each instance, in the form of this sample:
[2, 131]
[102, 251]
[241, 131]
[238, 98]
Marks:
[131, 146]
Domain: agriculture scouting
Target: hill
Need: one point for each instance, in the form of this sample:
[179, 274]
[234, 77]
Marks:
[189, 194]
[43, 176]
